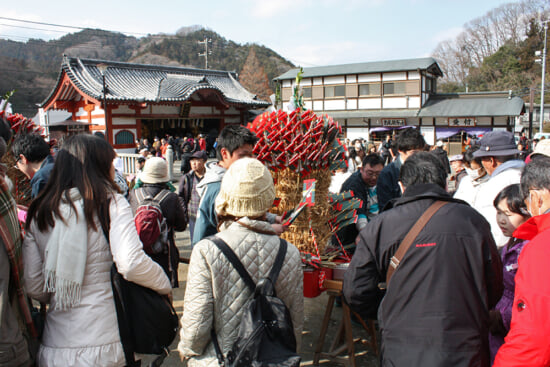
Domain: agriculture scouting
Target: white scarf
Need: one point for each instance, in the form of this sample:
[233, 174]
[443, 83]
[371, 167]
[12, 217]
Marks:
[66, 250]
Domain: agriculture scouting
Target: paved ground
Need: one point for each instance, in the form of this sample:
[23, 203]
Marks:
[313, 317]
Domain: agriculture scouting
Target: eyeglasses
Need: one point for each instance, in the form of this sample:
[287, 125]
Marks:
[370, 173]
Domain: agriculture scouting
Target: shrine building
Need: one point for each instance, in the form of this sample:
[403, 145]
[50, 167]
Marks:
[125, 102]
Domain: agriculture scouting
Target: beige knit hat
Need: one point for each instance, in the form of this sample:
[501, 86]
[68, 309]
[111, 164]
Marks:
[247, 190]
[155, 170]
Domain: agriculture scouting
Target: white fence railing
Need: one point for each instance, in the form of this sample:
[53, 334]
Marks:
[129, 162]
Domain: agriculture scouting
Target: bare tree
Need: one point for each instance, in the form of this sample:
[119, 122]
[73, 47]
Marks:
[483, 36]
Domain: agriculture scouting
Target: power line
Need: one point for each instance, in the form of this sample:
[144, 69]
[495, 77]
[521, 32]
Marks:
[88, 28]
[58, 25]
[52, 43]
[38, 29]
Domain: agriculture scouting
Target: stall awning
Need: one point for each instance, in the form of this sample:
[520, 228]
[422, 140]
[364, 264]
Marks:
[388, 128]
[445, 132]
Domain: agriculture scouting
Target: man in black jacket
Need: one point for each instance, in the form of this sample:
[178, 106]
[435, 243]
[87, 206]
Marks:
[363, 184]
[442, 155]
[188, 187]
[435, 311]
[408, 142]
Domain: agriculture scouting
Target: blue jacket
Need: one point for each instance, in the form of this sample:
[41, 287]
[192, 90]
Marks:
[41, 177]
[206, 223]
[207, 220]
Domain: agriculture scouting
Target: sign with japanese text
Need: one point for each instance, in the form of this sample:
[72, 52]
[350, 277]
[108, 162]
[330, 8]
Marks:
[393, 122]
[461, 121]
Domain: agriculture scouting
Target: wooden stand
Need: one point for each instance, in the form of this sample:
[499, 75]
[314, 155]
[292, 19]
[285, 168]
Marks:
[334, 289]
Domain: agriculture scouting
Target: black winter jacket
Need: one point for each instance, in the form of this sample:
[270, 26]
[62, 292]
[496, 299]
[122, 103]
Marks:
[442, 155]
[387, 187]
[185, 190]
[436, 309]
[175, 213]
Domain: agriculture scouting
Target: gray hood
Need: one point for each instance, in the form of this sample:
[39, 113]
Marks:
[214, 173]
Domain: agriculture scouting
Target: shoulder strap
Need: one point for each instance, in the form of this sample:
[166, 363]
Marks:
[411, 236]
[234, 260]
[162, 195]
[139, 195]
[278, 264]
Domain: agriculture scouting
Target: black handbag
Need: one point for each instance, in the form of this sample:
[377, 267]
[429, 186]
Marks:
[147, 321]
[149, 318]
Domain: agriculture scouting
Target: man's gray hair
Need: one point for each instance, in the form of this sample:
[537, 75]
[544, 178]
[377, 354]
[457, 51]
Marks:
[536, 175]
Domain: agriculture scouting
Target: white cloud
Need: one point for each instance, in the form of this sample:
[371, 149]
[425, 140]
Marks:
[295, 8]
[272, 8]
[446, 34]
[334, 53]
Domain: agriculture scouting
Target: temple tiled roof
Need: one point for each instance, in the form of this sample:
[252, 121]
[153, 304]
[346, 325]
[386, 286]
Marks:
[127, 82]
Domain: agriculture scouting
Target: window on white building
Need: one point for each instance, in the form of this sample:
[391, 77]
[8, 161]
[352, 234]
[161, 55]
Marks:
[394, 88]
[430, 85]
[335, 91]
[369, 89]
[306, 92]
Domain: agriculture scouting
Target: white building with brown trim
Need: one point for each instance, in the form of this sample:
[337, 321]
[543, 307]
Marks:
[377, 97]
[126, 102]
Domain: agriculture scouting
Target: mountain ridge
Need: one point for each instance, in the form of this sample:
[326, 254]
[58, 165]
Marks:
[31, 68]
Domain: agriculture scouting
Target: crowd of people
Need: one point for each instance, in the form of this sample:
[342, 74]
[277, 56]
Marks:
[466, 293]
[181, 147]
[468, 282]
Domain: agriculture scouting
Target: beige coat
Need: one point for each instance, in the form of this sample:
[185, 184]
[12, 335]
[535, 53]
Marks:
[87, 335]
[215, 294]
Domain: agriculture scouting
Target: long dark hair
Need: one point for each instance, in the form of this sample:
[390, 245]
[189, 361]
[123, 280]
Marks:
[84, 161]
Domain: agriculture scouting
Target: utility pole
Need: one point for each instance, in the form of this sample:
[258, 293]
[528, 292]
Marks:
[543, 75]
[531, 107]
[206, 51]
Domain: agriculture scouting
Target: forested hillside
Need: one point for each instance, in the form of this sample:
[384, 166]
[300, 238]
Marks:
[31, 67]
[496, 52]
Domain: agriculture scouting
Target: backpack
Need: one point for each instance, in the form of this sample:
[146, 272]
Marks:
[266, 335]
[150, 222]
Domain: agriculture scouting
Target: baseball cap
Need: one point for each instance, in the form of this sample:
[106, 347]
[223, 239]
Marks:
[199, 154]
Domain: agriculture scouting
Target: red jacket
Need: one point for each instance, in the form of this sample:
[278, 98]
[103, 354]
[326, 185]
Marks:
[527, 343]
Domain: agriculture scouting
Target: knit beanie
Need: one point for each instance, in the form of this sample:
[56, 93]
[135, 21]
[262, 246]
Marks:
[247, 189]
[155, 171]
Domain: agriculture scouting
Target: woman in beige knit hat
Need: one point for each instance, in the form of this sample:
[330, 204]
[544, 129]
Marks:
[215, 295]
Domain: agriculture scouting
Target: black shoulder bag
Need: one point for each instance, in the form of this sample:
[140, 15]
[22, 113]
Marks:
[147, 321]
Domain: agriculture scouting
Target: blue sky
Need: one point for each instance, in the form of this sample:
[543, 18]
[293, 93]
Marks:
[307, 32]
